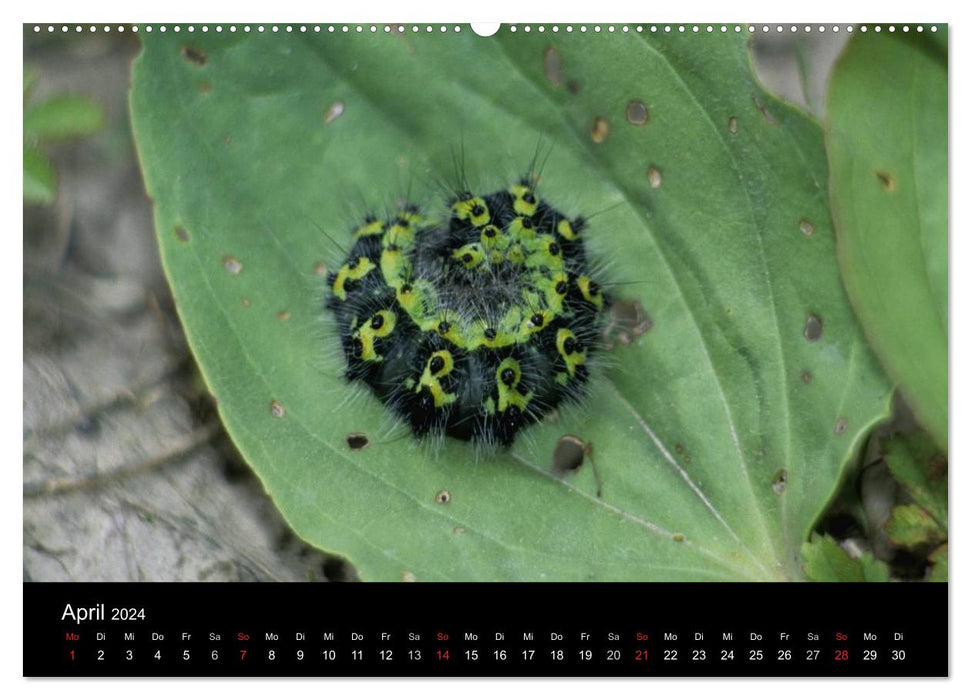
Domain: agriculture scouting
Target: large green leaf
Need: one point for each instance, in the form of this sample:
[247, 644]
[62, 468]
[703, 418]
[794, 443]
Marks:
[887, 146]
[719, 435]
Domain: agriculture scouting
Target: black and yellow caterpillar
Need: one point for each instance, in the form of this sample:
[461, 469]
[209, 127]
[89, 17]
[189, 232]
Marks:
[475, 327]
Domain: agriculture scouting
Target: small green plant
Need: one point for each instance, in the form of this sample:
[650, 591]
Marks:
[58, 118]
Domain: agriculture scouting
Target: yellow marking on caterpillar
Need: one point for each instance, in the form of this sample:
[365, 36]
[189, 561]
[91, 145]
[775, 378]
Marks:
[380, 325]
[594, 297]
[473, 210]
[418, 299]
[401, 233]
[395, 266]
[509, 393]
[522, 229]
[555, 290]
[431, 379]
[565, 342]
[351, 271]
[530, 325]
[515, 254]
[470, 255]
[521, 193]
[412, 216]
[565, 229]
[545, 253]
[369, 228]
[504, 333]
[491, 237]
[448, 325]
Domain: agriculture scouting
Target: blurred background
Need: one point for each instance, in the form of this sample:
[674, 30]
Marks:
[128, 475]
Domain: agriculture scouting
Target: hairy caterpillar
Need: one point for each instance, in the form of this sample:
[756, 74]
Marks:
[475, 326]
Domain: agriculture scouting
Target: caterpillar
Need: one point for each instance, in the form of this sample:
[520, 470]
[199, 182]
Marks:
[473, 324]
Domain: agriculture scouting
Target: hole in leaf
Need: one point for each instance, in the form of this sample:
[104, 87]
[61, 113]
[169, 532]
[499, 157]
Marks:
[779, 481]
[357, 441]
[637, 113]
[600, 130]
[443, 497]
[813, 329]
[553, 66]
[628, 321]
[569, 454]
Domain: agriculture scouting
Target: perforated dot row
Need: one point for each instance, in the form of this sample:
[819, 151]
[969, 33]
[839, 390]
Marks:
[428, 28]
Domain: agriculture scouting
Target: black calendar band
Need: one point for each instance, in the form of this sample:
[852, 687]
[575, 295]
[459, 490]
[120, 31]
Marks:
[503, 629]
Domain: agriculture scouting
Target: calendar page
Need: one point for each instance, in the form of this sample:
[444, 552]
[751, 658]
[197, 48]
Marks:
[447, 349]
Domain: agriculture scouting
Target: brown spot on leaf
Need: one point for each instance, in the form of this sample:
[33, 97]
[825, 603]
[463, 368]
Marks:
[654, 176]
[195, 55]
[807, 377]
[283, 315]
[334, 111]
[733, 125]
[245, 302]
[276, 409]
[573, 86]
[232, 265]
[807, 228]
[888, 182]
[766, 114]
[840, 426]
[600, 130]
[677, 537]
[182, 234]
[553, 66]
[779, 482]
[320, 269]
